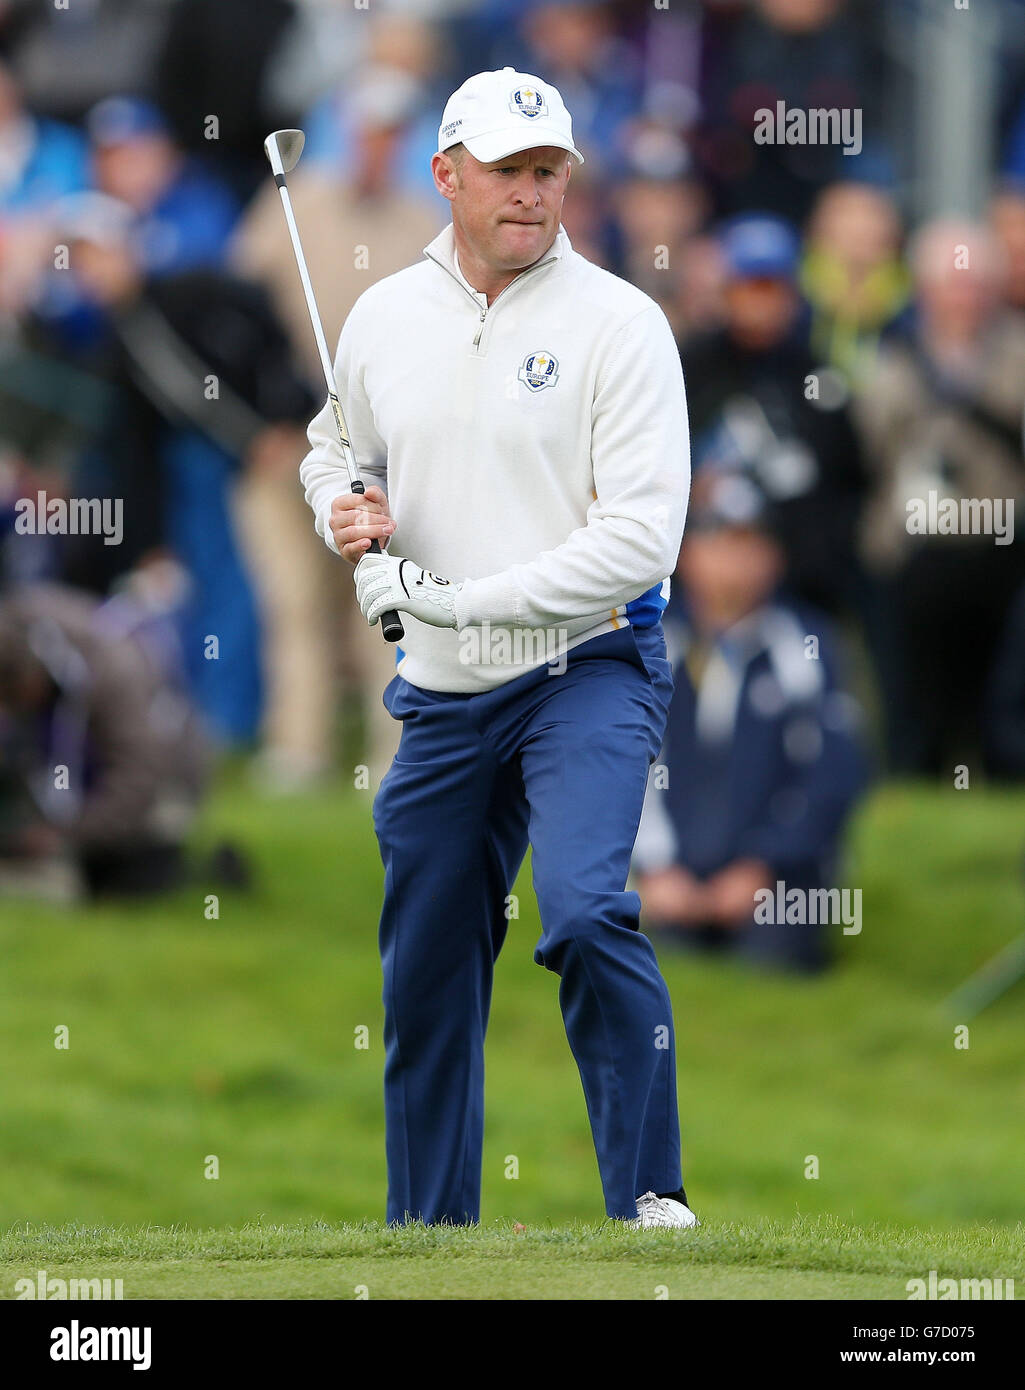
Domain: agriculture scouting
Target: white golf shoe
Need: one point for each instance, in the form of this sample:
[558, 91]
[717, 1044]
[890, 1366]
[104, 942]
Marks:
[662, 1211]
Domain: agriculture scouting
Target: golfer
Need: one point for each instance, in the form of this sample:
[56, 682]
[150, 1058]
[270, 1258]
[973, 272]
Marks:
[521, 414]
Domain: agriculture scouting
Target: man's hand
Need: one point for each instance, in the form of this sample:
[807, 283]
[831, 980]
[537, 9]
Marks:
[674, 895]
[731, 892]
[385, 581]
[357, 520]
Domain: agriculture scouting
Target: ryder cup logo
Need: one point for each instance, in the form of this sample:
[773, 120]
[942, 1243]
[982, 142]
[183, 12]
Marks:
[539, 370]
[528, 101]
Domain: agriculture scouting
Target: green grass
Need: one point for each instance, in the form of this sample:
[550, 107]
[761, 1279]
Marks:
[806, 1258]
[234, 1037]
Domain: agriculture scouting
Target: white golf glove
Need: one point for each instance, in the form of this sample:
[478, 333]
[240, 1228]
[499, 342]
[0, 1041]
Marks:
[386, 581]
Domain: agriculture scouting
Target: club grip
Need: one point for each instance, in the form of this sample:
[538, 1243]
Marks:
[391, 623]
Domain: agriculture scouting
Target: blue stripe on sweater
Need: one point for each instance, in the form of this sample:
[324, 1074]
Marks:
[647, 609]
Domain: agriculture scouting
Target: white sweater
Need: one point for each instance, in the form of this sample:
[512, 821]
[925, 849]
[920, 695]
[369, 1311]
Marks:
[537, 449]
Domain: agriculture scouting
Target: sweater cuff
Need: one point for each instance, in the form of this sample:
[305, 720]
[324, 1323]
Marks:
[325, 522]
[492, 600]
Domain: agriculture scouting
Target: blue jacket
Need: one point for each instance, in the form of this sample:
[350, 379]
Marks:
[191, 224]
[764, 759]
[57, 164]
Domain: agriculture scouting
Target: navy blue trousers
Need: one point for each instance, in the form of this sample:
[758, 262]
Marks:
[561, 761]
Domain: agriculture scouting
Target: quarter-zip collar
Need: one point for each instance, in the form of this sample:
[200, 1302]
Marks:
[442, 250]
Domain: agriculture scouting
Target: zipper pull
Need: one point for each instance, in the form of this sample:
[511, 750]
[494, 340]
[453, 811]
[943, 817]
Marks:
[480, 330]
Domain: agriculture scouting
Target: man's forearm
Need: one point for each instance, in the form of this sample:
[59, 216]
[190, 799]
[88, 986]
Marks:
[599, 569]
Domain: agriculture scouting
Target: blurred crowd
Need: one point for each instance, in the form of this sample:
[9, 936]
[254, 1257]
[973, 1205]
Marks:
[844, 358]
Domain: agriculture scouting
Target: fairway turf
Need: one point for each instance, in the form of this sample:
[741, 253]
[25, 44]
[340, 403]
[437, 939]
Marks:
[804, 1259]
[237, 1039]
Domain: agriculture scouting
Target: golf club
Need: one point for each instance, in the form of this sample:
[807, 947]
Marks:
[283, 148]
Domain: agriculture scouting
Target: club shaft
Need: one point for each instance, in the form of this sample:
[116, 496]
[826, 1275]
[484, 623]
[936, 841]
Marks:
[391, 624]
[311, 299]
[351, 466]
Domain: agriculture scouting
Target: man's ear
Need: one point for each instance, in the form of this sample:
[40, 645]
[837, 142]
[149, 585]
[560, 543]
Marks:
[445, 176]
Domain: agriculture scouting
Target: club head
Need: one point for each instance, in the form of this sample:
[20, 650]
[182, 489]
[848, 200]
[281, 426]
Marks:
[283, 149]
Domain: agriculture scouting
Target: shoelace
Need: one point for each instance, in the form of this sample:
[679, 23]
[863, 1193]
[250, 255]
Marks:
[657, 1211]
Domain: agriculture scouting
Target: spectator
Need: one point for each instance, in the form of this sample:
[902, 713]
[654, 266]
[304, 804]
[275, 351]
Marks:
[323, 48]
[184, 215]
[942, 417]
[201, 381]
[852, 275]
[700, 287]
[589, 222]
[757, 399]
[807, 54]
[761, 751]
[658, 211]
[104, 761]
[576, 45]
[69, 55]
[340, 213]
[214, 61]
[355, 230]
[400, 49]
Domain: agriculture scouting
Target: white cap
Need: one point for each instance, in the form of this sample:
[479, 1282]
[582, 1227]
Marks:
[499, 113]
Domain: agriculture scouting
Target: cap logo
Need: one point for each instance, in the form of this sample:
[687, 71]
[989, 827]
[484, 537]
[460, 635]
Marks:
[451, 128]
[540, 369]
[528, 101]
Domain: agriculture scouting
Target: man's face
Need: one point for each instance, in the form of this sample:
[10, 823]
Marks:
[507, 212]
[760, 310]
[730, 572]
[137, 171]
